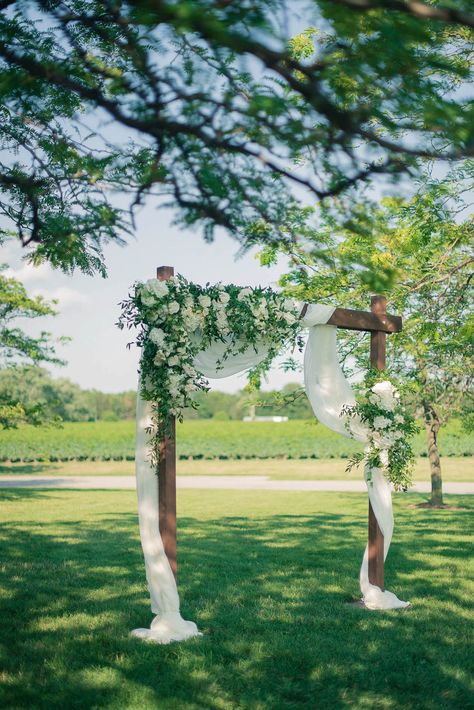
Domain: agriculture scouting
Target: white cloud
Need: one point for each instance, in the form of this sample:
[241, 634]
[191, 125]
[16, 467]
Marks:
[27, 273]
[66, 297]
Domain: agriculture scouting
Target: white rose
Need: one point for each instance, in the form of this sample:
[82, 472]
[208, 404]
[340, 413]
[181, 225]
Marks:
[173, 307]
[205, 301]
[384, 394]
[147, 299]
[173, 360]
[224, 297]
[244, 293]
[289, 317]
[156, 287]
[157, 336]
[381, 422]
[399, 419]
[159, 358]
[189, 370]
[174, 379]
[383, 388]
[222, 322]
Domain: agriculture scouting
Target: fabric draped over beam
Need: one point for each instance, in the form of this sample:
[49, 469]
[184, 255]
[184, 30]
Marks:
[328, 392]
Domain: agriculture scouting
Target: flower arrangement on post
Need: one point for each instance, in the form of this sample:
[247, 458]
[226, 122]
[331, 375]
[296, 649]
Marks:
[390, 428]
[178, 319]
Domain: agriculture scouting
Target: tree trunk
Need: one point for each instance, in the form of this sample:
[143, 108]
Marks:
[433, 424]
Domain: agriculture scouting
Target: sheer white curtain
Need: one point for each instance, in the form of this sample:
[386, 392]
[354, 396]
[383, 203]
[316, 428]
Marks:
[328, 391]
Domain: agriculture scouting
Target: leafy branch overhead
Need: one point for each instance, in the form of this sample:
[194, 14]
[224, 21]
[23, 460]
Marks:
[213, 108]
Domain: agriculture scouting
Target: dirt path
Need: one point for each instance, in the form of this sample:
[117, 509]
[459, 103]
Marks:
[263, 483]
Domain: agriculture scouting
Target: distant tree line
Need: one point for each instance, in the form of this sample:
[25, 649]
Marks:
[61, 399]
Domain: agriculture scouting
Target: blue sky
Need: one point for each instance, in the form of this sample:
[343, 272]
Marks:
[88, 306]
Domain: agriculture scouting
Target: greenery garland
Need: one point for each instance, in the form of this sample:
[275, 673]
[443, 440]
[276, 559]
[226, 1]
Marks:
[178, 319]
[390, 429]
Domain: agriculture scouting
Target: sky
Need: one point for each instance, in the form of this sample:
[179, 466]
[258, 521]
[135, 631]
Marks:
[97, 356]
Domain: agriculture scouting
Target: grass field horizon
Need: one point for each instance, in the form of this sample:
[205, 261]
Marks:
[205, 440]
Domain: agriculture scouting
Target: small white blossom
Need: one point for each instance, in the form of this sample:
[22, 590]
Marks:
[244, 293]
[157, 336]
[173, 307]
[383, 395]
[156, 287]
[205, 301]
[224, 297]
[173, 360]
[381, 422]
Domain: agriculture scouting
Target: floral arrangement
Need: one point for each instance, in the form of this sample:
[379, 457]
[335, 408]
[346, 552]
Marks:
[178, 319]
[390, 428]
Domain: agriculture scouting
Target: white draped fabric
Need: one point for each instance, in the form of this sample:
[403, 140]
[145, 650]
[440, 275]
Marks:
[328, 391]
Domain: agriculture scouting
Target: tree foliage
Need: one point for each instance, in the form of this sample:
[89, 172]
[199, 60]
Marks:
[426, 242]
[59, 399]
[17, 347]
[214, 108]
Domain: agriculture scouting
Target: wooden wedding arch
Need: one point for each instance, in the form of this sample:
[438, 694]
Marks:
[379, 324]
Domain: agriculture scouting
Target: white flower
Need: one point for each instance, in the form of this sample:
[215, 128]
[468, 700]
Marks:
[224, 297]
[205, 301]
[189, 370]
[222, 322]
[289, 317]
[399, 419]
[244, 293]
[383, 395]
[398, 434]
[157, 336]
[159, 358]
[384, 460]
[154, 287]
[381, 422]
[173, 360]
[173, 307]
[147, 299]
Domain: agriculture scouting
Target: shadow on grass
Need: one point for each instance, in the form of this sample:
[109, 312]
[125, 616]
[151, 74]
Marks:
[25, 468]
[268, 592]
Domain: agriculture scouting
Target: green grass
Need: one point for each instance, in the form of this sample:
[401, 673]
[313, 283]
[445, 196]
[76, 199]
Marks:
[203, 439]
[453, 469]
[266, 577]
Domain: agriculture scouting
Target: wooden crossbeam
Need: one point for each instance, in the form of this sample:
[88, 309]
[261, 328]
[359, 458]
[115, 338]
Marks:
[350, 319]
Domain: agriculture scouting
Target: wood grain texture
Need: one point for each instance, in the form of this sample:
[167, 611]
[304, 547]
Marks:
[167, 474]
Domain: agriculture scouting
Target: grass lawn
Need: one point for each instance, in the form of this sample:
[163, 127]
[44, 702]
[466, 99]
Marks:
[266, 576]
[454, 469]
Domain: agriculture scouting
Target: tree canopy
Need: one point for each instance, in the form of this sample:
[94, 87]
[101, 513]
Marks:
[426, 242]
[234, 113]
[18, 348]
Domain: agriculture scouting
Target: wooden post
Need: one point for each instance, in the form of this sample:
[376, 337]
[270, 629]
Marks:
[167, 474]
[378, 341]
